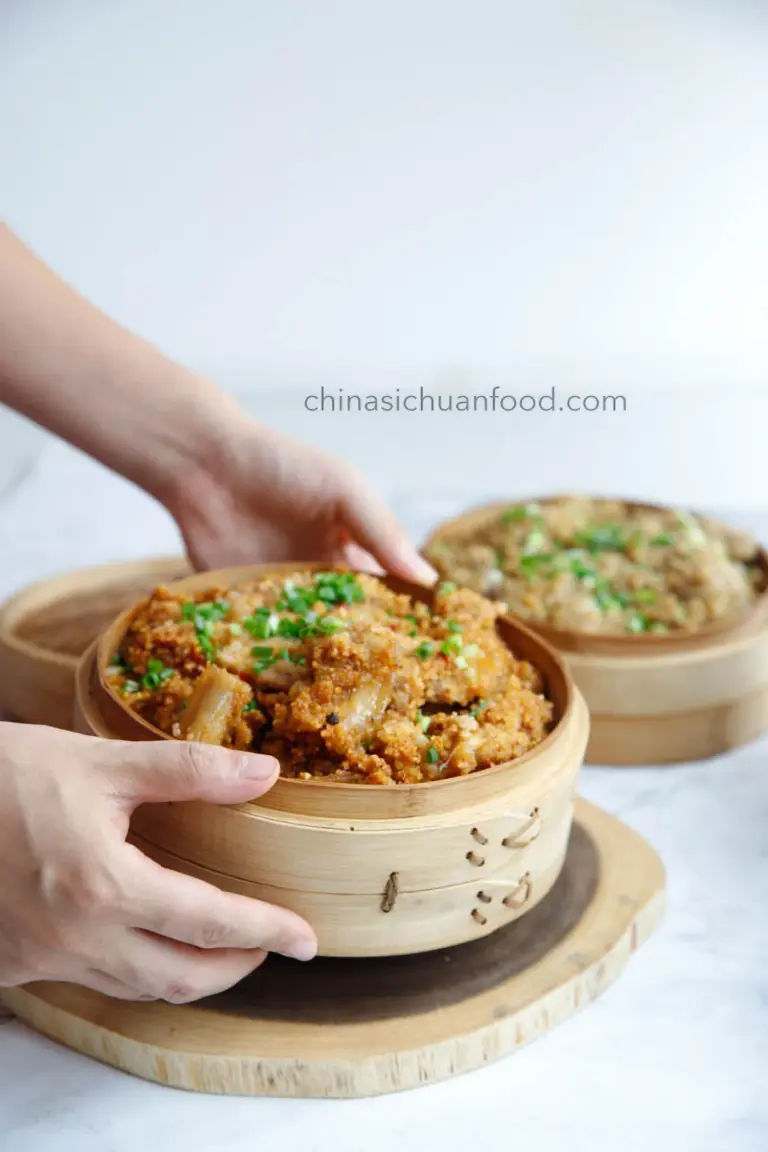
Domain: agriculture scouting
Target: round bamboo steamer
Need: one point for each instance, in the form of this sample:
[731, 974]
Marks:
[376, 870]
[44, 630]
[659, 699]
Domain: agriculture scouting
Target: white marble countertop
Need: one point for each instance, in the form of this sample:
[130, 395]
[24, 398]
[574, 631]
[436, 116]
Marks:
[673, 1056]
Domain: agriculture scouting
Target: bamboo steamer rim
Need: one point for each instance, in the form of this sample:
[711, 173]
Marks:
[575, 640]
[327, 797]
[47, 591]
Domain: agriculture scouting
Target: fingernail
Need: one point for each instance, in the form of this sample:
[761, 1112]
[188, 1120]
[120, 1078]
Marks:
[254, 767]
[423, 572]
[302, 949]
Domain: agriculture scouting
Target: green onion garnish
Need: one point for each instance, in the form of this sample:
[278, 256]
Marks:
[534, 541]
[520, 512]
[156, 674]
[424, 650]
[263, 624]
[452, 645]
[327, 625]
[432, 755]
[531, 562]
[600, 538]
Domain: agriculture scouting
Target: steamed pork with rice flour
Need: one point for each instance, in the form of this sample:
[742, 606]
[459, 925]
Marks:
[337, 676]
[605, 566]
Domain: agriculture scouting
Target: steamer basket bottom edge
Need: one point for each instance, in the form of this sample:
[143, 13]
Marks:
[355, 1028]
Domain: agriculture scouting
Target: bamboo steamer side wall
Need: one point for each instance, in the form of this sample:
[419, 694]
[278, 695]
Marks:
[431, 876]
[44, 629]
[676, 707]
[384, 887]
[395, 923]
[332, 855]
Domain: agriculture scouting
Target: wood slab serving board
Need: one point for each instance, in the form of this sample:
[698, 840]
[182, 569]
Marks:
[353, 1028]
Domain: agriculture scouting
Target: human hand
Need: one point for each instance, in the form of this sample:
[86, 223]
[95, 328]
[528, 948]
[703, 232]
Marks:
[79, 904]
[261, 496]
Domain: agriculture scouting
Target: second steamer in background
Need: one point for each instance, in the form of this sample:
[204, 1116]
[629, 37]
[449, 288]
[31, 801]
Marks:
[660, 613]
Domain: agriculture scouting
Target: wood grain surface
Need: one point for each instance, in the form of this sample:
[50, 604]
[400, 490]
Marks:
[45, 628]
[351, 1028]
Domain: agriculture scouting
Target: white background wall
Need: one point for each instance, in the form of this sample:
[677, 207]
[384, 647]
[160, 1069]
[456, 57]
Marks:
[282, 191]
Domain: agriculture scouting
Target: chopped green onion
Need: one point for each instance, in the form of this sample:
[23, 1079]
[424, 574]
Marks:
[481, 704]
[204, 616]
[452, 645]
[298, 600]
[210, 610]
[600, 538]
[534, 541]
[662, 540]
[638, 623]
[520, 512]
[432, 755]
[471, 651]
[338, 588]
[532, 561]
[206, 645]
[424, 650]
[156, 674]
[251, 706]
[423, 721]
[328, 625]
[262, 625]
[461, 662]
[130, 686]
[454, 627]
[235, 629]
[608, 600]
[646, 595]
[290, 627]
[446, 588]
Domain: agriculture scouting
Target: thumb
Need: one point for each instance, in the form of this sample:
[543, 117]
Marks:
[166, 770]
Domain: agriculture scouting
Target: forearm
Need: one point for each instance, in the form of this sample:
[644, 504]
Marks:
[72, 370]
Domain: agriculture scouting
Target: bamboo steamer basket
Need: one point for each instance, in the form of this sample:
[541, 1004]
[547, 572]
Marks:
[376, 870]
[44, 630]
[659, 699]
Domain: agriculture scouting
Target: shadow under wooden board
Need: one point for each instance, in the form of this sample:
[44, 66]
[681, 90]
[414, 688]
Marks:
[354, 1028]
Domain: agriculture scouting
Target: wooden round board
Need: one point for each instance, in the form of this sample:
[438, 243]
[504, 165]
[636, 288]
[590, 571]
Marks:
[353, 1028]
